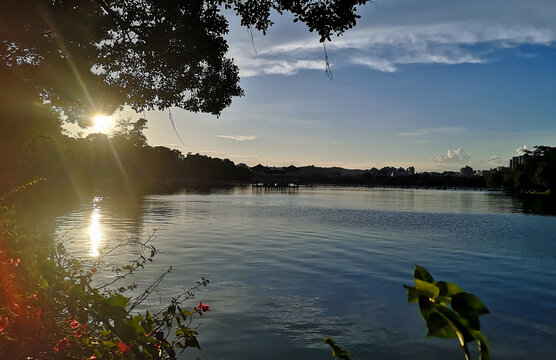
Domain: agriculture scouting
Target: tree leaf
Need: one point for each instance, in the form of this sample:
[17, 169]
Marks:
[439, 326]
[468, 305]
[448, 289]
[412, 294]
[422, 274]
[118, 300]
[459, 322]
[48, 270]
[337, 351]
[426, 289]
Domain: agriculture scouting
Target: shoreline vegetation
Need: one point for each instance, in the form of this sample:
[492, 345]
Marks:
[52, 308]
[126, 159]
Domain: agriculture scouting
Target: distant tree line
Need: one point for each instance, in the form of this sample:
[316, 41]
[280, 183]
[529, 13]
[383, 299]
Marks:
[41, 149]
[382, 177]
[535, 174]
[124, 157]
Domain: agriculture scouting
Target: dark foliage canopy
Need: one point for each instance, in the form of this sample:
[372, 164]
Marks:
[536, 174]
[85, 56]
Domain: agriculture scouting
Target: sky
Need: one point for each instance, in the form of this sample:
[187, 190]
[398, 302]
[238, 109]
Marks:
[434, 84]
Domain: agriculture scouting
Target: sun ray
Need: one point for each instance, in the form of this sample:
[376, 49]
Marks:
[102, 123]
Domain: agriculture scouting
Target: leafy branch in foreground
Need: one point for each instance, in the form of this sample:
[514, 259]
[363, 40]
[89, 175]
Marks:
[50, 307]
[449, 312]
[337, 351]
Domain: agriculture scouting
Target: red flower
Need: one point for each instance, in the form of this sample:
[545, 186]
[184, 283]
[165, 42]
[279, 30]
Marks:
[61, 344]
[4, 322]
[203, 307]
[123, 347]
[74, 324]
[94, 270]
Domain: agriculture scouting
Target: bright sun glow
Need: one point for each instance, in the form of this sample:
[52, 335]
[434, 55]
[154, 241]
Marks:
[101, 123]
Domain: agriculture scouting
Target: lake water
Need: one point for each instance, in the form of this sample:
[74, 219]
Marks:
[288, 268]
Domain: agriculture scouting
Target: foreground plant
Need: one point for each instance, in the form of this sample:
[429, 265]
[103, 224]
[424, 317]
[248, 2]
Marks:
[50, 308]
[449, 312]
[337, 351]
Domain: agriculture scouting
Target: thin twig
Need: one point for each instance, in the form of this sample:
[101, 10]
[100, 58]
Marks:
[174, 126]
[327, 70]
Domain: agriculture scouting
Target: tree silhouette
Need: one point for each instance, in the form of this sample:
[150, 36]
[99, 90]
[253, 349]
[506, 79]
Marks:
[86, 56]
[67, 60]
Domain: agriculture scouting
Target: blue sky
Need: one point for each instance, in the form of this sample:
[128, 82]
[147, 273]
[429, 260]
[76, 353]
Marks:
[435, 84]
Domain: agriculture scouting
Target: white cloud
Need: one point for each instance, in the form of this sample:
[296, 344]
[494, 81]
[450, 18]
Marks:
[521, 150]
[453, 156]
[283, 64]
[386, 48]
[173, 146]
[497, 161]
[238, 137]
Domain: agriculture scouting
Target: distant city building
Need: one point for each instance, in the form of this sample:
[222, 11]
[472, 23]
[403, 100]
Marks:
[481, 172]
[451, 173]
[411, 170]
[516, 160]
[466, 171]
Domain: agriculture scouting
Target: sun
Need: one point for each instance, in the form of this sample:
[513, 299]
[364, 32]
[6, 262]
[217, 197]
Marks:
[101, 123]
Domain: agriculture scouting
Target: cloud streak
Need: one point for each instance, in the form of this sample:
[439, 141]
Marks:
[387, 48]
[433, 132]
[238, 137]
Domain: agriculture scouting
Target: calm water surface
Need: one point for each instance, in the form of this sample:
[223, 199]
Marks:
[288, 268]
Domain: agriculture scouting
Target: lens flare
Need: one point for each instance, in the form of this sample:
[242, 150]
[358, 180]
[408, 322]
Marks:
[101, 123]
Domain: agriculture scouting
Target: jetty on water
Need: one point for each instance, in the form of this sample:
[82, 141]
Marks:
[275, 177]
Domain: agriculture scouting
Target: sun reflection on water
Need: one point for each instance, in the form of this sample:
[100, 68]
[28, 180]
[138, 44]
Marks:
[95, 231]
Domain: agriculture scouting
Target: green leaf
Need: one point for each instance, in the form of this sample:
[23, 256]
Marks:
[459, 322]
[422, 274]
[337, 351]
[426, 289]
[48, 270]
[448, 289]
[136, 323]
[425, 307]
[125, 330]
[118, 300]
[468, 305]
[412, 294]
[439, 326]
